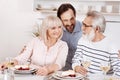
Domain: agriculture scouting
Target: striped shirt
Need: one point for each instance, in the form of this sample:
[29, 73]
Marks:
[97, 52]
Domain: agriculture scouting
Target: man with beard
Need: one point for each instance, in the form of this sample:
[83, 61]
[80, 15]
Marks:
[95, 47]
[71, 31]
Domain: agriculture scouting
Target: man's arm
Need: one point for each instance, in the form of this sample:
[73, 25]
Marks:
[115, 62]
[76, 62]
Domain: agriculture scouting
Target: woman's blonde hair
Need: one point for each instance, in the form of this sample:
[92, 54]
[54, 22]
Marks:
[49, 22]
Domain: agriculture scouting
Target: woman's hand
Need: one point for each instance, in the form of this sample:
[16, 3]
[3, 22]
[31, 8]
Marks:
[81, 70]
[3, 66]
[6, 64]
[42, 71]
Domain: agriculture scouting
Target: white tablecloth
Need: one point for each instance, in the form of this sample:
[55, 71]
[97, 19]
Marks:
[24, 77]
[35, 77]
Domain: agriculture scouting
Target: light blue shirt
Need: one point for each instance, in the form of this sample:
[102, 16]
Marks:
[72, 40]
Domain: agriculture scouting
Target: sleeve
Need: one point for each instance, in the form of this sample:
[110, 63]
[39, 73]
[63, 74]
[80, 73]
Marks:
[24, 56]
[62, 55]
[76, 61]
[115, 61]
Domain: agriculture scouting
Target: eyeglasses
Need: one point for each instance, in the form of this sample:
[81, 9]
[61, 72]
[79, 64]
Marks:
[86, 25]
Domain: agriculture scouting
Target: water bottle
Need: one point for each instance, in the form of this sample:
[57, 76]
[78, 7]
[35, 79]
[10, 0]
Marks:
[11, 73]
[8, 74]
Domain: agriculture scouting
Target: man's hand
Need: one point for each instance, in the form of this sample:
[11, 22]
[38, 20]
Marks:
[81, 70]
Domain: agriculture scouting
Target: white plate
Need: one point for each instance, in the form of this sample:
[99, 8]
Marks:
[31, 70]
[57, 75]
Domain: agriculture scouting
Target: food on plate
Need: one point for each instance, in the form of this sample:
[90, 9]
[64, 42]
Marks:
[69, 73]
[22, 67]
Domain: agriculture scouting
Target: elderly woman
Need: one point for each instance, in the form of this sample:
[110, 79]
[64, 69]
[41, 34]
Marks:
[47, 52]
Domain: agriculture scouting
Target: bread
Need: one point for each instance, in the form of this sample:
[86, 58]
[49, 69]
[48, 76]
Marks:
[70, 73]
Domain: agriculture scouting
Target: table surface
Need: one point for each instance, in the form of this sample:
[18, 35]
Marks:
[36, 77]
[25, 77]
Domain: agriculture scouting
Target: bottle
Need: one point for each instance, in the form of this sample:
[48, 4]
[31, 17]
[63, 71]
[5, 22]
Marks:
[5, 75]
[8, 74]
[11, 74]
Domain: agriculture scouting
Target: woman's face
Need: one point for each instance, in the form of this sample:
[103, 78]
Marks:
[54, 32]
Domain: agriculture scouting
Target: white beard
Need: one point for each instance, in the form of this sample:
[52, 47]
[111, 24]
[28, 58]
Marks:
[90, 36]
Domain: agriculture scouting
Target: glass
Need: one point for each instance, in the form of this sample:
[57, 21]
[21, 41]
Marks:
[98, 8]
[109, 8]
[8, 74]
[86, 63]
[85, 8]
[9, 62]
[105, 67]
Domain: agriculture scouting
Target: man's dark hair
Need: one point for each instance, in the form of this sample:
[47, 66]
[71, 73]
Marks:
[63, 8]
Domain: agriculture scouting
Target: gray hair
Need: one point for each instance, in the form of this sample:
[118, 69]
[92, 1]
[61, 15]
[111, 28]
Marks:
[49, 22]
[98, 20]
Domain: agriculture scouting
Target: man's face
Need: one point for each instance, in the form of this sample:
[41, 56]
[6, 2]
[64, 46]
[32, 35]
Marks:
[68, 19]
[88, 30]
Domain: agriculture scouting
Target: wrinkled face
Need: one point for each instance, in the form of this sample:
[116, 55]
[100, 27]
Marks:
[68, 19]
[54, 32]
[88, 30]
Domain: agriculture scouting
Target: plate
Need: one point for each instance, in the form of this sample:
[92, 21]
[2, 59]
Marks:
[31, 70]
[57, 75]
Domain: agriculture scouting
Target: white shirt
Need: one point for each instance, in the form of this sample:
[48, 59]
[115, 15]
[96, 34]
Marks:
[41, 56]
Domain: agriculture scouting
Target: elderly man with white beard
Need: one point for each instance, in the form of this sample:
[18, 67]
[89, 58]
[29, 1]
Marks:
[95, 47]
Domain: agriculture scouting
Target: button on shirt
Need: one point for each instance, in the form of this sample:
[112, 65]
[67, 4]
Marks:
[72, 40]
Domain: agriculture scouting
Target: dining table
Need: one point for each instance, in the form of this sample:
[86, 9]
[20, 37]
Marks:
[51, 77]
[25, 77]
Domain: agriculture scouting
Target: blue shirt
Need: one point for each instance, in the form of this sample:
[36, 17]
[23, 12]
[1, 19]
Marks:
[72, 40]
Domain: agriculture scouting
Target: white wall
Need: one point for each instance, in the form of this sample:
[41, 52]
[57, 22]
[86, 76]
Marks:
[16, 22]
[113, 31]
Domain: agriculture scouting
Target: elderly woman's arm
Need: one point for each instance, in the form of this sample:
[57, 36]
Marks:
[62, 56]
[59, 63]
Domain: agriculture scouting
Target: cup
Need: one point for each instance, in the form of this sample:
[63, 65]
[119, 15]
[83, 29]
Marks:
[85, 8]
[9, 62]
[105, 67]
[8, 75]
[86, 62]
[109, 8]
[98, 8]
